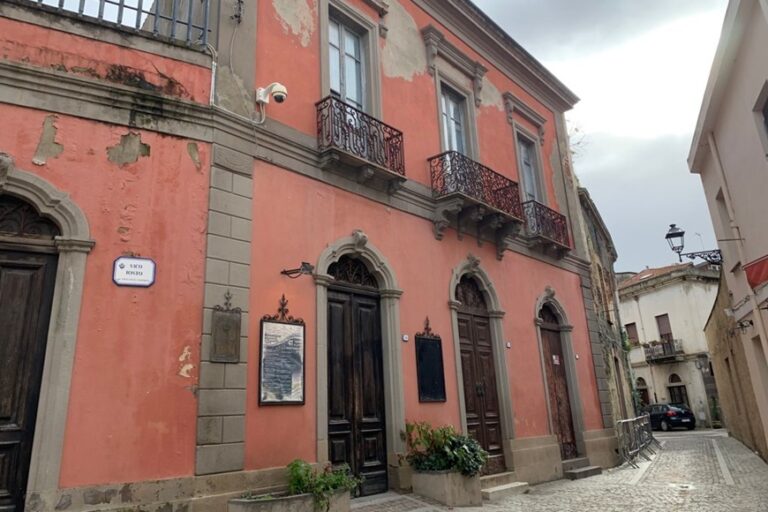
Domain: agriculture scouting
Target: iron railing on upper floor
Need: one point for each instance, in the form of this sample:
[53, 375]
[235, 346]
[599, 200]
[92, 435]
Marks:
[343, 127]
[454, 173]
[185, 21]
[667, 348]
[542, 221]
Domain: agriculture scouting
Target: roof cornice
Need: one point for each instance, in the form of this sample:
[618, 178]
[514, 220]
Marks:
[475, 28]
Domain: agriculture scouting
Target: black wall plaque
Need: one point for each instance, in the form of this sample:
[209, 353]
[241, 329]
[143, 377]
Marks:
[225, 332]
[429, 366]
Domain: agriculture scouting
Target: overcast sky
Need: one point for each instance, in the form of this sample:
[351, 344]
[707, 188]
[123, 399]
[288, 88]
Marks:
[640, 68]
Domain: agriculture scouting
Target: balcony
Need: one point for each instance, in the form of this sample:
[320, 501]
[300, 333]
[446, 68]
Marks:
[181, 21]
[547, 228]
[470, 195]
[665, 351]
[352, 142]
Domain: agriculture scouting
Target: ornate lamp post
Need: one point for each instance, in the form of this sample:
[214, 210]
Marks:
[676, 239]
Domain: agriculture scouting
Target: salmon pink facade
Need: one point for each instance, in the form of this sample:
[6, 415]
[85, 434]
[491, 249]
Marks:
[391, 241]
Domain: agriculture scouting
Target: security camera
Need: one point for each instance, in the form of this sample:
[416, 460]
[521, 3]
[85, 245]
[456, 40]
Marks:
[277, 90]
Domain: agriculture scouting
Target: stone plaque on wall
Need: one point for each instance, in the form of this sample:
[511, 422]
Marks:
[225, 333]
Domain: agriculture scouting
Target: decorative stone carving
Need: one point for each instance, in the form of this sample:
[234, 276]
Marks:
[352, 271]
[6, 163]
[437, 45]
[359, 239]
[473, 262]
[516, 107]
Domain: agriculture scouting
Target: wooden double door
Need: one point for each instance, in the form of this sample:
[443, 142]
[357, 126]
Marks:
[356, 419]
[26, 293]
[481, 400]
[559, 398]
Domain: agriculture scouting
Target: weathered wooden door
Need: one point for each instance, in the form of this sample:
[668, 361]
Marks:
[481, 401]
[26, 293]
[356, 422]
[557, 384]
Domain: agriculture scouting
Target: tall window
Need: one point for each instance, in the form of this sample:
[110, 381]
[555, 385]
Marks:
[632, 333]
[346, 64]
[765, 117]
[529, 167]
[453, 110]
[665, 329]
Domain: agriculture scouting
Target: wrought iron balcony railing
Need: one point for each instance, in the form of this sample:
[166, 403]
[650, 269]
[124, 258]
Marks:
[667, 349]
[185, 21]
[455, 173]
[544, 222]
[345, 128]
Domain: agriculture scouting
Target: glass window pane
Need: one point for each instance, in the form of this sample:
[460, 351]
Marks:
[333, 34]
[353, 83]
[352, 44]
[335, 72]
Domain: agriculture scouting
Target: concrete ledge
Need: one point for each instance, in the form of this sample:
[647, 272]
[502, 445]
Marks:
[208, 493]
[537, 459]
[602, 447]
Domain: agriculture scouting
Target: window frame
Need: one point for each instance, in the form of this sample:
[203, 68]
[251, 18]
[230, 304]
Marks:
[669, 324]
[760, 112]
[448, 90]
[468, 100]
[368, 30]
[523, 134]
[637, 333]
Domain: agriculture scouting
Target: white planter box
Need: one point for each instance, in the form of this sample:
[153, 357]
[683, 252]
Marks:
[448, 487]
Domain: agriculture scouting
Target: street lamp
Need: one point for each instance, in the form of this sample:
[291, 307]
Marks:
[676, 239]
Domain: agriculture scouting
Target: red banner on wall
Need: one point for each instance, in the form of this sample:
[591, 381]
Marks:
[757, 272]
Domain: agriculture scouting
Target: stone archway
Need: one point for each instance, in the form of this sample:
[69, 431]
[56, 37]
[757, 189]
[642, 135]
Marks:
[547, 301]
[72, 245]
[357, 245]
[471, 267]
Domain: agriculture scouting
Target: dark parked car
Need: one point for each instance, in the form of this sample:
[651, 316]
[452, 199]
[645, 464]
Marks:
[668, 416]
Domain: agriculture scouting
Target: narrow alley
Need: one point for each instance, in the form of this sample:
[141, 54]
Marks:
[695, 471]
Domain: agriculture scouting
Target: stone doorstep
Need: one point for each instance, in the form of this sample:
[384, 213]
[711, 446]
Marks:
[500, 492]
[488, 481]
[584, 472]
[571, 464]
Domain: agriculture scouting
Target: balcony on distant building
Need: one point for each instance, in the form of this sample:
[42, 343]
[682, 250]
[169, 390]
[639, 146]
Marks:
[546, 227]
[349, 140]
[471, 196]
[664, 351]
[179, 21]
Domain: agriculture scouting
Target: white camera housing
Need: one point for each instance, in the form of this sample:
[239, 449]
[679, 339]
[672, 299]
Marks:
[275, 90]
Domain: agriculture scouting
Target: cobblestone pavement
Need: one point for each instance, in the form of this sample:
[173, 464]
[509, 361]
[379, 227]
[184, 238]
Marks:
[701, 471]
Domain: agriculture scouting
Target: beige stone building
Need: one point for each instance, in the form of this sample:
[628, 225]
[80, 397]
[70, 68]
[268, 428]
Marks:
[664, 311]
[730, 154]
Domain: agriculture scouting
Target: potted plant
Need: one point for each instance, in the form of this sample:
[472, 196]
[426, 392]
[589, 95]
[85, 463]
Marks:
[309, 490]
[446, 464]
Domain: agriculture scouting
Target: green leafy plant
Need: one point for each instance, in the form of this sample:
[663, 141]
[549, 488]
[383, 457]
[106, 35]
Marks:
[443, 449]
[302, 479]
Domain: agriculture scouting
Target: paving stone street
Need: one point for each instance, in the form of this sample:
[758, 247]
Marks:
[695, 471]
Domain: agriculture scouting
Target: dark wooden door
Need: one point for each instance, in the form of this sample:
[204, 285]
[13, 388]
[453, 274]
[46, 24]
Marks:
[559, 399]
[356, 423]
[26, 294]
[481, 401]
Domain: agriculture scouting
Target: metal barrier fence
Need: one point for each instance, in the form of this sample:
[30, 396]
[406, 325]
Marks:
[185, 21]
[635, 439]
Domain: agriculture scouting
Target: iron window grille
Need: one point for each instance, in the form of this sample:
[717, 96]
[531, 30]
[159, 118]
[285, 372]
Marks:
[542, 221]
[343, 127]
[454, 173]
[185, 21]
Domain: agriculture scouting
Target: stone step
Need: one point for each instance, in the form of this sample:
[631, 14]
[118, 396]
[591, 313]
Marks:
[577, 463]
[579, 473]
[497, 479]
[502, 491]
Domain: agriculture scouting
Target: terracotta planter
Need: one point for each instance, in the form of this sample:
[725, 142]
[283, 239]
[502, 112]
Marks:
[448, 487]
[340, 502]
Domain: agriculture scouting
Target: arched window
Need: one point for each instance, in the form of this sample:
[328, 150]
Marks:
[675, 379]
[640, 383]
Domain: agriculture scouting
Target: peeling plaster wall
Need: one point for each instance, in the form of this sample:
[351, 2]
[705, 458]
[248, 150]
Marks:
[132, 404]
[34, 45]
[400, 56]
[297, 17]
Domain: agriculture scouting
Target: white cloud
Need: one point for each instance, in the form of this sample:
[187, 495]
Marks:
[648, 86]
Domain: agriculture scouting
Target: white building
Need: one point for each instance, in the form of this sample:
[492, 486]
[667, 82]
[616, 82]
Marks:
[664, 311]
